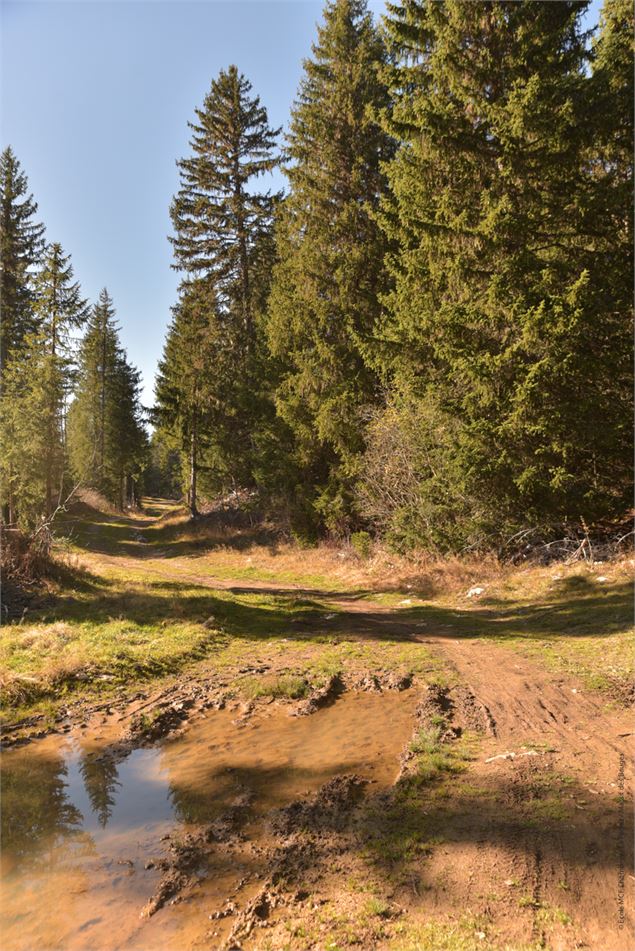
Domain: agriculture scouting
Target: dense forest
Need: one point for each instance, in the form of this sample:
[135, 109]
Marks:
[426, 335]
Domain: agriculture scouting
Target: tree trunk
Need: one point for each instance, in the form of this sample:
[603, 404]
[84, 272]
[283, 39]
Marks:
[193, 466]
[102, 408]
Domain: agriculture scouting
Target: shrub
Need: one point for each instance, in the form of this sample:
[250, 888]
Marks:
[362, 543]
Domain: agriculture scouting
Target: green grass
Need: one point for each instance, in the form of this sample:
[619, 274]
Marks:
[466, 933]
[290, 687]
[156, 612]
[126, 625]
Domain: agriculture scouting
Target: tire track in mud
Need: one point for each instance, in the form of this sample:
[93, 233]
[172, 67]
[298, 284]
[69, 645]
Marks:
[529, 704]
[541, 731]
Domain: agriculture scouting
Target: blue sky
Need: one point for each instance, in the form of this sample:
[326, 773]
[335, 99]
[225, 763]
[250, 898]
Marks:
[95, 100]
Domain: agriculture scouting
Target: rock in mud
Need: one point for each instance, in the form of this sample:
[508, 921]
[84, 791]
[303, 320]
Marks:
[230, 909]
[324, 808]
[320, 698]
[170, 885]
[256, 914]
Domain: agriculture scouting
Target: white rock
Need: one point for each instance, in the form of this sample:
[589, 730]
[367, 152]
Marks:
[475, 592]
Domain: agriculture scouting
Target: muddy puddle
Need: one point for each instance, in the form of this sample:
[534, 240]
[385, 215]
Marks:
[84, 833]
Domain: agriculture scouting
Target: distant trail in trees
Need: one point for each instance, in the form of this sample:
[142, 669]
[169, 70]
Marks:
[427, 338]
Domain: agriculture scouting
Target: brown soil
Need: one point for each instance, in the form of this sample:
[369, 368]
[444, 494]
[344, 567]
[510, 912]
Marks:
[533, 839]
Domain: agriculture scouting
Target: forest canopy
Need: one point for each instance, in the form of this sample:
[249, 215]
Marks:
[427, 335]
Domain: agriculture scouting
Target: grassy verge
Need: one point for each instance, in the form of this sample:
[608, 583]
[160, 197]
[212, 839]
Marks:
[575, 620]
[147, 607]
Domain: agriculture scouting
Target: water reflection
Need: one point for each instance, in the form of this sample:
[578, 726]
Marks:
[36, 809]
[79, 824]
[101, 781]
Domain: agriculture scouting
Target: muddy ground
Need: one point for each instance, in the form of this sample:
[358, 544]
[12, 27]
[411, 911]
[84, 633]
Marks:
[486, 808]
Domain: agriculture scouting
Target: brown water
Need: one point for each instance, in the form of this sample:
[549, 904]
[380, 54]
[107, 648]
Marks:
[77, 832]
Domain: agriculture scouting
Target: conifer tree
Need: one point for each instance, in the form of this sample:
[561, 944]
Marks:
[130, 442]
[21, 244]
[37, 381]
[61, 312]
[217, 216]
[497, 313]
[183, 379]
[107, 440]
[325, 295]
[222, 242]
[27, 384]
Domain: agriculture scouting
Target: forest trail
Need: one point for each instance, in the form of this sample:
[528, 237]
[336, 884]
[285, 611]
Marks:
[483, 803]
[526, 702]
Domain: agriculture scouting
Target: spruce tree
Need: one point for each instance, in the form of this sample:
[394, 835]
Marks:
[21, 244]
[106, 436]
[37, 382]
[183, 380]
[27, 384]
[130, 445]
[324, 301]
[217, 215]
[222, 243]
[497, 313]
[61, 312]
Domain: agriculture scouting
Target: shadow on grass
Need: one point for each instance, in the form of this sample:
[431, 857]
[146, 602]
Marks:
[147, 537]
[594, 613]
[299, 613]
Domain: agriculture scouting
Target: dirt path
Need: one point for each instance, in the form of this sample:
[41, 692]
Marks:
[534, 839]
[528, 703]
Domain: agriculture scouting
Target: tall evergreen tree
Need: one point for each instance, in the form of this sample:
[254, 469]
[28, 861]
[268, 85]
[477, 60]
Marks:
[106, 436]
[28, 381]
[222, 242]
[325, 296]
[183, 380]
[37, 381]
[21, 244]
[61, 312]
[497, 317]
[217, 216]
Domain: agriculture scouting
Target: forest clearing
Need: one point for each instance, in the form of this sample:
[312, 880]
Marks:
[316, 475]
[203, 749]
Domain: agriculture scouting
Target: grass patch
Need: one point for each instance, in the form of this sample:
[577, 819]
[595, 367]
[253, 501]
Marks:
[376, 908]
[289, 687]
[467, 933]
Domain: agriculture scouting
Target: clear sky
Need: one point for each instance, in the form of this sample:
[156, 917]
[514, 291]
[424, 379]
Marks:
[96, 96]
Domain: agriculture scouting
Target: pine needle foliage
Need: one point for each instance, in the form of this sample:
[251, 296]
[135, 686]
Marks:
[325, 299]
[21, 246]
[511, 221]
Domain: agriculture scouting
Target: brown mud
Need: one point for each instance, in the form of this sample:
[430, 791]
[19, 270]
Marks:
[128, 827]
[184, 818]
